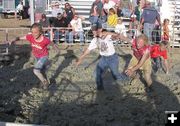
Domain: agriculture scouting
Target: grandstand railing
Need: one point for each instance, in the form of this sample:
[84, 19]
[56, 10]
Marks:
[8, 34]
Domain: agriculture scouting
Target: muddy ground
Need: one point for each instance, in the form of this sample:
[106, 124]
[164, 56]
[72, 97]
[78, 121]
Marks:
[72, 99]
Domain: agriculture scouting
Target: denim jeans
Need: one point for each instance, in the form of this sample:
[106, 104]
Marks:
[157, 64]
[41, 63]
[58, 35]
[111, 62]
[97, 21]
[80, 34]
[148, 29]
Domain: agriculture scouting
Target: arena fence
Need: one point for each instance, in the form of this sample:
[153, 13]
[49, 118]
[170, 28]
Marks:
[8, 34]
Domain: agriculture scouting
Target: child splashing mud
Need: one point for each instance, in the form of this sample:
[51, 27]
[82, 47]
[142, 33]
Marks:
[39, 44]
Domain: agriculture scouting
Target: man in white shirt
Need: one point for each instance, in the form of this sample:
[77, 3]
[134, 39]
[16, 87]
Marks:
[77, 29]
[109, 59]
[56, 9]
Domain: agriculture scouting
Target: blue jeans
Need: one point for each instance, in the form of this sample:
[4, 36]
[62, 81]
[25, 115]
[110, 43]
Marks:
[80, 34]
[148, 29]
[157, 64]
[111, 62]
[97, 22]
[58, 35]
[41, 63]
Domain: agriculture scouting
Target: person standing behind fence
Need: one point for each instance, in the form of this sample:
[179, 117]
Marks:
[39, 45]
[96, 13]
[165, 27]
[20, 10]
[44, 22]
[148, 19]
[134, 26]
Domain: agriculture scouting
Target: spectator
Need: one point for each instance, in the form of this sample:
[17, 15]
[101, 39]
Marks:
[77, 29]
[165, 30]
[159, 54]
[148, 19]
[133, 26]
[120, 28]
[127, 10]
[20, 10]
[112, 20]
[97, 16]
[55, 10]
[60, 22]
[69, 12]
[137, 11]
[44, 22]
[107, 5]
[119, 9]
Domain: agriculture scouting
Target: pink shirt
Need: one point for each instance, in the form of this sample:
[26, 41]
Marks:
[39, 49]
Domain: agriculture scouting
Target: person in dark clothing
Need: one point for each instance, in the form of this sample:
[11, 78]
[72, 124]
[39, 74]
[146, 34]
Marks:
[44, 22]
[60, 22]
[69, 12]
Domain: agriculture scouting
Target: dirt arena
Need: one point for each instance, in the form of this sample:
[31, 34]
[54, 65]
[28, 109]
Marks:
[72, 99]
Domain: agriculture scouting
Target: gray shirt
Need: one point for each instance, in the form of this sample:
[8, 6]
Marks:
[150, 15]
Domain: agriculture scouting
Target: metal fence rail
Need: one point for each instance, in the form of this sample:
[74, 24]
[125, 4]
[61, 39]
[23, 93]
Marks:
[7, 34]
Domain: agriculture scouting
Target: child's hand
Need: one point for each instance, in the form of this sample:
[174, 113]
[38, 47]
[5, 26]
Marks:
[55, 46]
[129, 72]
[167, 72]
[78, 62]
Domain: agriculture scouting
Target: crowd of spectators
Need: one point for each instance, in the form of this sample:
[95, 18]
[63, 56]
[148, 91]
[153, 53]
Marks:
[109, 15]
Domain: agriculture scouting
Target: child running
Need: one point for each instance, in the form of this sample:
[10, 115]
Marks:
[109, 59]
[141, 59]
[39, 44]
[159, 54]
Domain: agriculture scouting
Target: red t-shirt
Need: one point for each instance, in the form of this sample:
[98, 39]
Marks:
[138, 53]
[156, 52]
[39, 49]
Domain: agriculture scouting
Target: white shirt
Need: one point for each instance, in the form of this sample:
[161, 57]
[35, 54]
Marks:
[77, 25]
[110, 4]
[105, 46]
[19, 7]
[120, 29]
[55, 11]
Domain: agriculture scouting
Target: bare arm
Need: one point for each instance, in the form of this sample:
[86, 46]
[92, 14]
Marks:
[130, 72]
[142, 61]
[166, 65]
[17, 39]
[55, 46]
[86, 52]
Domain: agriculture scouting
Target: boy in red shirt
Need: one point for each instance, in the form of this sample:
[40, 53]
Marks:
[39, 45]
[159, 53]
